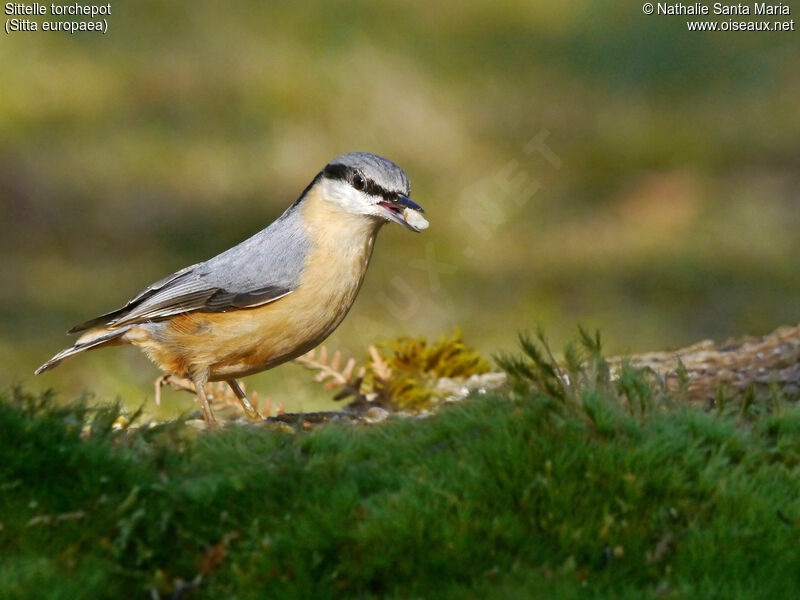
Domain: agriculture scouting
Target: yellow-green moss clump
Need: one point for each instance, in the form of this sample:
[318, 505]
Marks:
[404, 373]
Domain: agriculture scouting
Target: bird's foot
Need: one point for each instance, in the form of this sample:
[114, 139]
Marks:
[250, 411]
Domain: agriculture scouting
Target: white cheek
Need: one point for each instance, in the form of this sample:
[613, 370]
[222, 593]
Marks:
[345, 197]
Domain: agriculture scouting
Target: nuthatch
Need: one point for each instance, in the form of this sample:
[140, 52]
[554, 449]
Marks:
[273, 297]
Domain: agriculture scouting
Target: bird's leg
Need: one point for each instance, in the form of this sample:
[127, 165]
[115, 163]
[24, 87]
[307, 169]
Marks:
[161, 380]
[200, 379]
[249, 411]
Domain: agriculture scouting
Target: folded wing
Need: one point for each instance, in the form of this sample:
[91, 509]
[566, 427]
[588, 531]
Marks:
[262, 269]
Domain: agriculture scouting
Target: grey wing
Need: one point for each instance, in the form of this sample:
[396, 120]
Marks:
[260, 270]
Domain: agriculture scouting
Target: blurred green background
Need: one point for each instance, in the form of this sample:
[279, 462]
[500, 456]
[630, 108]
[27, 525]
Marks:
[663, 207]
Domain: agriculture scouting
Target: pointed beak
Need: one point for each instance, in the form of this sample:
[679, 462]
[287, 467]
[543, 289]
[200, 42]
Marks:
[409, 203]
[395, 210]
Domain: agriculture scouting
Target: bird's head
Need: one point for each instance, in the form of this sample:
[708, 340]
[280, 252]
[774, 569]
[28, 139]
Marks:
[366, 184]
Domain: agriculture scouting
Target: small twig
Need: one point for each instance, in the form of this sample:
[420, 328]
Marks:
[379, 366]
[329, 372]
[313, 417]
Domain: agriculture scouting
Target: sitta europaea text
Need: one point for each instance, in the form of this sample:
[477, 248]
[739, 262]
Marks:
[273, 297]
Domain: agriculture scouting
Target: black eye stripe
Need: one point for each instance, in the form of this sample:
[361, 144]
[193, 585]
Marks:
[337, 172]
[345, 173]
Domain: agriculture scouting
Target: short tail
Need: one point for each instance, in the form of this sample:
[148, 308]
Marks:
[86, 342]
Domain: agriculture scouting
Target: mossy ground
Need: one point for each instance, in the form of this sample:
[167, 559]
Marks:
[519, 494]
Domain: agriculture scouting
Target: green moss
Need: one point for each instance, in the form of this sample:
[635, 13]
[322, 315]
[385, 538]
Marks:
[405, 372]
[601, 489]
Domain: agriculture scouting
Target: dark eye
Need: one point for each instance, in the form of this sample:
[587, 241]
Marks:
[358, 182]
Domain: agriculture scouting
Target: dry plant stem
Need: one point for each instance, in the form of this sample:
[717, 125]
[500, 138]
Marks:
[380, 367]
[329, 371]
